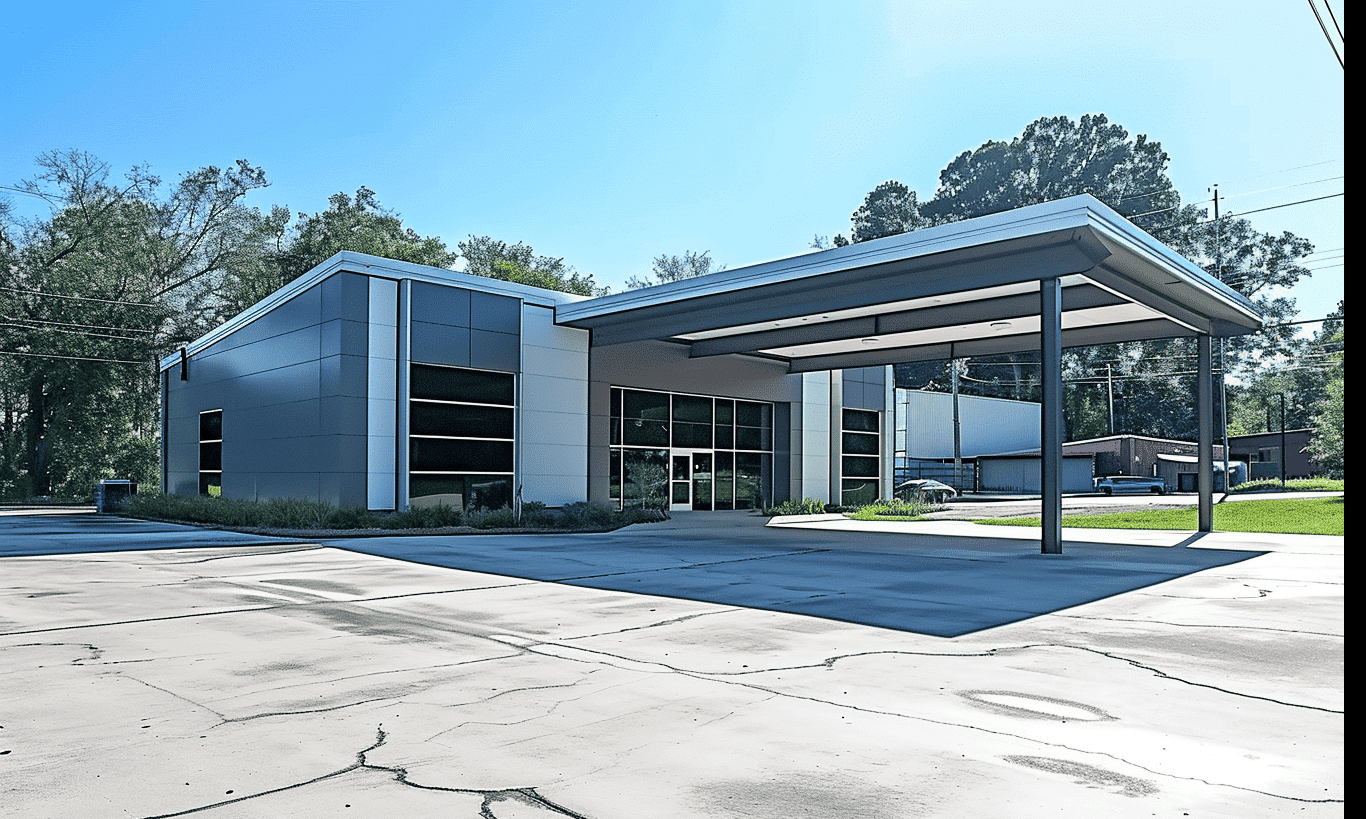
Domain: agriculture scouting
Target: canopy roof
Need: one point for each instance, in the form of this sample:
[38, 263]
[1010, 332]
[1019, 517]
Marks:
[968, 288]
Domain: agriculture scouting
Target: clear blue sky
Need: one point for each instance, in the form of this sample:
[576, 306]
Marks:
[611, 132]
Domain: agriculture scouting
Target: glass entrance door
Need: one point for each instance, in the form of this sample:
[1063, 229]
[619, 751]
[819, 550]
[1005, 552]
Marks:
[691, 480]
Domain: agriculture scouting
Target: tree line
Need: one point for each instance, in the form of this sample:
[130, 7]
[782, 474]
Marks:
[121, 272]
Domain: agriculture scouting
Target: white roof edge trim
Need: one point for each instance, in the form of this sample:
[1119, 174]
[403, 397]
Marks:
[380, 267]
[1071, 212]
[1142, 243]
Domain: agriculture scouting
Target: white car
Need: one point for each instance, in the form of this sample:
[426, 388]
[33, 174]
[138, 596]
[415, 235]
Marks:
[1116, 484]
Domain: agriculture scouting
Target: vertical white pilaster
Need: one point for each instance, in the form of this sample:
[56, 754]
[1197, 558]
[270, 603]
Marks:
[381, 416]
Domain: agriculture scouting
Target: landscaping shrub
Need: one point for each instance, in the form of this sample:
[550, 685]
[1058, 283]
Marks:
[304, 514]
[805, 506]
[586, 515]
[536, 516]
[895, 508]
[492, 519]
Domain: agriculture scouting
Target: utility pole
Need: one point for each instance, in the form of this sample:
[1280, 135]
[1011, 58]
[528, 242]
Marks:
[957, 433]
[1223, 379]
[1110, 393]
[1283, 452]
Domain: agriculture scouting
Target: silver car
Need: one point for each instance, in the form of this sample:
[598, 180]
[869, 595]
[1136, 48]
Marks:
[926, 489]
[1116, 484]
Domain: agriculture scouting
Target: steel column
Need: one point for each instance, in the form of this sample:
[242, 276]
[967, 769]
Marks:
[1204, 409]
[1050, 415]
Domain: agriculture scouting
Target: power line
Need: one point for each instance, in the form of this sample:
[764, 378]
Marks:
[74, 324]
[1326, 35]
[74, 357]
[79, 298]
[72, 332]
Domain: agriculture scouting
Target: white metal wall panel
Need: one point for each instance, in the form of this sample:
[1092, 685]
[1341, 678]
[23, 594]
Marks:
[552, 414]
[381, 416]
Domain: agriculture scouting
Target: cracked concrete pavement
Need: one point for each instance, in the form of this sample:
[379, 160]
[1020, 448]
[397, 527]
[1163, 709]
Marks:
[155, 670]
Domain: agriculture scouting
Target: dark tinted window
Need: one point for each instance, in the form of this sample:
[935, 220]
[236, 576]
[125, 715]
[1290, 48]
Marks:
[860, 420]
[455, 455]
[460, 420]
[211, 426]
[451, 384]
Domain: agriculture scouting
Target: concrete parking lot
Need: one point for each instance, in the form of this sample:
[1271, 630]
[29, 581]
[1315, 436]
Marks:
[710, 666]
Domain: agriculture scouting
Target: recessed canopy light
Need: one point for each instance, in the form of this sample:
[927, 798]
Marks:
[999, 325]
[871, 340]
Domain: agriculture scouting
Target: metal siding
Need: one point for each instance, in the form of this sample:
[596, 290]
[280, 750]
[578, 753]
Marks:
[553, 411]
[439, 344]
[433, 304]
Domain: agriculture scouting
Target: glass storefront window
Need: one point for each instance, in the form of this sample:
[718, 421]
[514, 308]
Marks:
[721, 450]
[645, 477]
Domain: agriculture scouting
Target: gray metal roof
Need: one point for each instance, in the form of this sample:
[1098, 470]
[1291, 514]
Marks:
[963, 289]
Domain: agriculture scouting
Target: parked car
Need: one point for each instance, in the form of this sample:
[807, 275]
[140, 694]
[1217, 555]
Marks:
[926, 489]
[1131, 483]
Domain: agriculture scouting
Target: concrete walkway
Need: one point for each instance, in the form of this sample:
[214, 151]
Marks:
[235, 676]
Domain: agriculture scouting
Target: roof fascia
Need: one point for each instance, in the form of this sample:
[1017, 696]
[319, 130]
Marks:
[1049, 217]
[364, 264]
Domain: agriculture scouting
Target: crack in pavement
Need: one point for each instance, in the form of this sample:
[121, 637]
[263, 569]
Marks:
[830, 661]
[668, 622]
[1217, 626]
[554, 706]
[1020, 737]
[526, 796]
[95, 651]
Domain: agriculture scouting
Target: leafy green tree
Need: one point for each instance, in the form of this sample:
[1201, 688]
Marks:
[90, 296]
[1056, 157]
[485, 256]
[889, 209]
[666, 268]
[1328, 444]
[361, 225]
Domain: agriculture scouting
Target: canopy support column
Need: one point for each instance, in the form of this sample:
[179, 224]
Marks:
[1050, 416]
[1204, 399]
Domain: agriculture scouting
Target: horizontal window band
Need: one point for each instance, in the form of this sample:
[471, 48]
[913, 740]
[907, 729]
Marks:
[461, 438]
[690, 448]
[461, 403]
[462, 473]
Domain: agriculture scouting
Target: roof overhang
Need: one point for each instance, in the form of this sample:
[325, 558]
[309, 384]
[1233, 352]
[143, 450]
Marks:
[970, 288]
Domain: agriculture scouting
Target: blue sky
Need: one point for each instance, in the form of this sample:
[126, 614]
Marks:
[611, 132]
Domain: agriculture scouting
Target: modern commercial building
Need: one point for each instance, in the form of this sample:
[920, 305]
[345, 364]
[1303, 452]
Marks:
[371, 382]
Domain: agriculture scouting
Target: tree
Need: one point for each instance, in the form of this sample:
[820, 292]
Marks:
[889, 209]
[667, 268]
[485, 256]
[91, 295]
[1056, 157]
[1328, 444]
[360, 225]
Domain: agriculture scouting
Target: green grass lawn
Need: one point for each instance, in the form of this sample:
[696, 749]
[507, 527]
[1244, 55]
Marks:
[1313, 516]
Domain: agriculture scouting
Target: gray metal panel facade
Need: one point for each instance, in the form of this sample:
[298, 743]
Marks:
[292, 387]
[465, 328]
